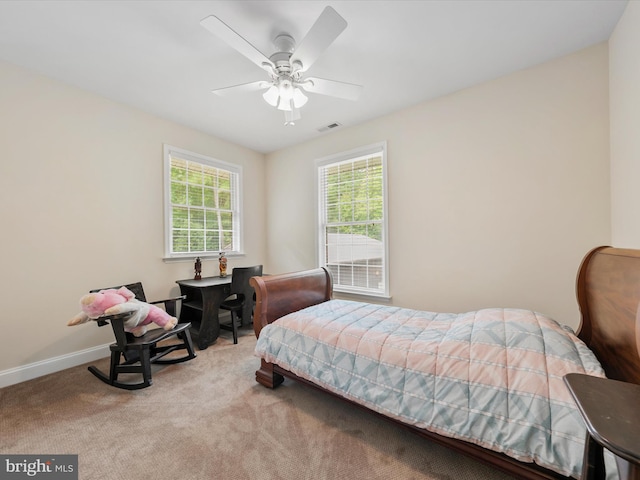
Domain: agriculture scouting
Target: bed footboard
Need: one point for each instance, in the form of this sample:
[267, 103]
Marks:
[278, 295]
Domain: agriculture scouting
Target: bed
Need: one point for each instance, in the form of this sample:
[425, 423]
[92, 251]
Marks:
[608, 293]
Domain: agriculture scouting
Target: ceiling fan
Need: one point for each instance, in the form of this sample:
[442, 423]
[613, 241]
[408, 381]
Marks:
[286, 68]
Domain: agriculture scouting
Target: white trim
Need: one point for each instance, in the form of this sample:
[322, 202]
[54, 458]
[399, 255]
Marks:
[238, 193]
[349, 156]
[352, 154]
[196, 157]
[52, 365]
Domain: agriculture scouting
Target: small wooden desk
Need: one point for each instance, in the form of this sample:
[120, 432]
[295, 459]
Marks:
[201, 306]
[611, 411]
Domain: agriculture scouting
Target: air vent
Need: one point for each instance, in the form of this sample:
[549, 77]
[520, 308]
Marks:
[329, 127]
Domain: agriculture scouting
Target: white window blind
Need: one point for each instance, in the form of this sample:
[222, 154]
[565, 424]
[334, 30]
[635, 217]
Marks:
[352, 226]
[202, 205]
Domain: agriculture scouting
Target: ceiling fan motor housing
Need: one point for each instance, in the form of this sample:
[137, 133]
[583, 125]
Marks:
[285, 45]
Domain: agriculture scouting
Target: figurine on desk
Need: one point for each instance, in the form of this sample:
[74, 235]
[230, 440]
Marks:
[223, 265]
[198, 269]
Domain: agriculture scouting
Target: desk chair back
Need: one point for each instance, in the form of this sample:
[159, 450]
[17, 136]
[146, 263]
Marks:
[242, 295]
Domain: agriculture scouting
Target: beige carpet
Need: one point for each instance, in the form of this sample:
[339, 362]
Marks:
[209, 419]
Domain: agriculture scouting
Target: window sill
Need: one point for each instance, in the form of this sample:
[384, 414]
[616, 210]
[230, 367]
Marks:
[362, 297]
[192, 257]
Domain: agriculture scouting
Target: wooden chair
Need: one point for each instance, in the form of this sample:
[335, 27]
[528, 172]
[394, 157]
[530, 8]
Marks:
[241, 300]
[140, 352]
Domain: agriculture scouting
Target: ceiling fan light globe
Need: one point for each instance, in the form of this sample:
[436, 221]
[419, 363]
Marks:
[285, 105]
[299, 98]
[271, 96]
[286, 90]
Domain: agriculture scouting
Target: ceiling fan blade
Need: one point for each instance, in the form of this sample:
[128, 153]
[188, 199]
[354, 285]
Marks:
[235, 40]
[244, 87]
[348, 91]
[322, 34]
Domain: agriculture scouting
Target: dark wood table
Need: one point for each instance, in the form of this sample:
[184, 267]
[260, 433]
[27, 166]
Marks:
[201, 306]
[611, 411]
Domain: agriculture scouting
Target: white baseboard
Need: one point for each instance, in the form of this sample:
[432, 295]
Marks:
[52, 365]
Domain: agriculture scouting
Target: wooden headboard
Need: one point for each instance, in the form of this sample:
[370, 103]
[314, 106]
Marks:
[288, 292]
[608, 290]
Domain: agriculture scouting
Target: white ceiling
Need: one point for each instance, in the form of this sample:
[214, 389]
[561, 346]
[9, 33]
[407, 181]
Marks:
[155, 56]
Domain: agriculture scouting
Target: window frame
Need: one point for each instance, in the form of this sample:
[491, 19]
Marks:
[236, 201]
[353, 156]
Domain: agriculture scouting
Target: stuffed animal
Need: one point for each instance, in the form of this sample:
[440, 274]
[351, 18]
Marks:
[122, 300]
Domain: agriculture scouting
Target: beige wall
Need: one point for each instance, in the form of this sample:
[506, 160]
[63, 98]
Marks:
[624, 78]
[495, 192]
[81, 186]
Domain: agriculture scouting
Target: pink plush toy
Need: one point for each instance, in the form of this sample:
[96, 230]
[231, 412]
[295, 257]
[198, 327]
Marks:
[111, 302]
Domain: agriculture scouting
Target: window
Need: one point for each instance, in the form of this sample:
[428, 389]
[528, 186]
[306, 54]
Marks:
[352, 220]
[202, 205]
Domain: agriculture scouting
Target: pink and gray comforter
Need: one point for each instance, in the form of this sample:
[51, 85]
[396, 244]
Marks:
[491, 377]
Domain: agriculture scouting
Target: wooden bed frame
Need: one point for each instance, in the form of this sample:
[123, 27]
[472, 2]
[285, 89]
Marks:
[608, 292]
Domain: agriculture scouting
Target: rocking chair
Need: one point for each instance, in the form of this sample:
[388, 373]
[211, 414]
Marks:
[140, 352]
